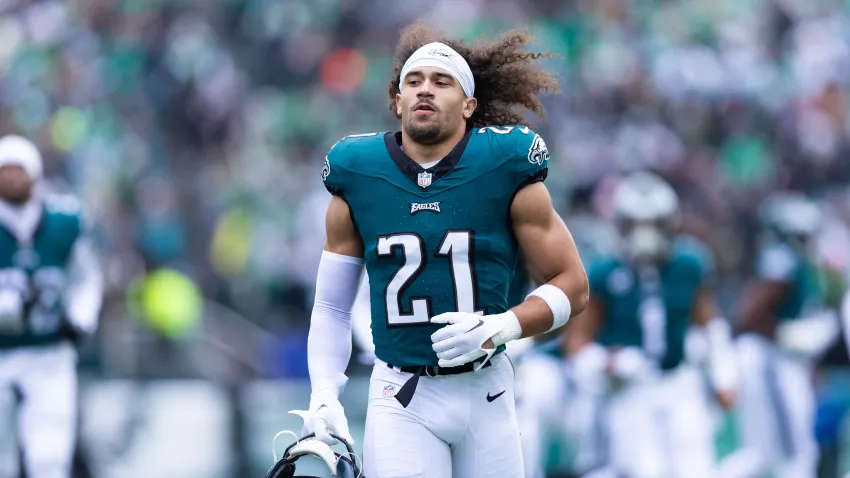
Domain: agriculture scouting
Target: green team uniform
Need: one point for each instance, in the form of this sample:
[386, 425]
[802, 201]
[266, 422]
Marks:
[778, 261]
[37, 271]
[520, 285]
[651, 310]
[436, 240]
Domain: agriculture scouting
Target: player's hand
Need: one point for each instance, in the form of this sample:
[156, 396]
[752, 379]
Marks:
[726, 399]
[11, 311]
[464, 339]
[325, 416]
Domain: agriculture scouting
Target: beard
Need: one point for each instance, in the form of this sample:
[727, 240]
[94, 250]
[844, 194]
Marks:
[425, 133]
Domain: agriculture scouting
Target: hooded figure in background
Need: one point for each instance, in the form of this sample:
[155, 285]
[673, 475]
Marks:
[50, 296]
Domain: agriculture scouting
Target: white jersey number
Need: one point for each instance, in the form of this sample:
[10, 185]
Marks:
[653, 321]
[456, 246]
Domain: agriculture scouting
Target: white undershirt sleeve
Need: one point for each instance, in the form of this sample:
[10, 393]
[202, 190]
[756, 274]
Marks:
[329, 340]
[84, 294]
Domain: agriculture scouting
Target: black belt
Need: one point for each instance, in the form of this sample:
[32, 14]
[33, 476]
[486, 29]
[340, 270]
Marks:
[405, 393]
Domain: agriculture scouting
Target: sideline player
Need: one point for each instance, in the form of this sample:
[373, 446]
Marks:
[628, 349]
[437, 213]
[50, 294]
[785, 327]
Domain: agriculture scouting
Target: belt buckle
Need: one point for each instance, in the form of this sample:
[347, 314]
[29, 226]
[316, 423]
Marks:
[430, 368]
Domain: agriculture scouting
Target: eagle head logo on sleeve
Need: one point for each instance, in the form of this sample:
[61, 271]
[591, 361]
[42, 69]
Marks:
[538, 153]
[326, 169]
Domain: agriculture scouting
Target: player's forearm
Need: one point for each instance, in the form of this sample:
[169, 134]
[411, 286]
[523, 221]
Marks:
[537, 314]
[329, 339]
[548, 308]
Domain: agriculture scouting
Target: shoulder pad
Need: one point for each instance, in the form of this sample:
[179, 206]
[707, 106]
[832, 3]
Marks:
[524, 148]
[342, 156]
[695, 252]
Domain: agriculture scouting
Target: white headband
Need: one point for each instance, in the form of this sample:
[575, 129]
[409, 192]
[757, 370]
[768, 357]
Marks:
[22, 152]
[442, 56]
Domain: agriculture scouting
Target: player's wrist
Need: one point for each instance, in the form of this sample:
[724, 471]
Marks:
[510, 328]
[323, 397]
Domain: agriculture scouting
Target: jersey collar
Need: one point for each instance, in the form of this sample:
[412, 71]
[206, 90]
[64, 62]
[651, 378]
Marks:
[412, 169]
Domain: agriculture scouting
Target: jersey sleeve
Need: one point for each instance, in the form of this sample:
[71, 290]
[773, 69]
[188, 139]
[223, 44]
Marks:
[701, 259]
[332, 175]
[776, 262]
[531, 157]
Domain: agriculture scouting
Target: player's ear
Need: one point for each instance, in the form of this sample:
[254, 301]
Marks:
[398, 104]
[469, 105]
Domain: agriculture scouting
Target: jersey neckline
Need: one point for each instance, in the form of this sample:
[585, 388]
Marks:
[412, 169]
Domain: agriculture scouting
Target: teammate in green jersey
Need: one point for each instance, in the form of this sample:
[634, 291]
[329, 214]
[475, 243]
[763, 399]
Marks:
[631, 340]
[50, 294]
[437, 213]
[785, 327]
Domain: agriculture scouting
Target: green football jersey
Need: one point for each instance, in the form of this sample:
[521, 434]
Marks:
[779, 262]
[436, 240]
[37, 271]
[520, 285]
[651, 309]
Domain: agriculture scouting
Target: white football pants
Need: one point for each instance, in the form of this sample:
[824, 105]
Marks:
[449, 430]
[776, 414]
[663, 427]
[550, 407]
[44, 380]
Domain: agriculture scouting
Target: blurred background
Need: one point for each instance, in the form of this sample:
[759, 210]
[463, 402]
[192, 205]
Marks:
[195, 132]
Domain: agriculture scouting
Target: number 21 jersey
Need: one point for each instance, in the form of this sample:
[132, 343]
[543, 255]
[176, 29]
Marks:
[436, 240]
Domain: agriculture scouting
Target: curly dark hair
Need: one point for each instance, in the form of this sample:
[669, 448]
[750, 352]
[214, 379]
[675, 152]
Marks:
[507, 78]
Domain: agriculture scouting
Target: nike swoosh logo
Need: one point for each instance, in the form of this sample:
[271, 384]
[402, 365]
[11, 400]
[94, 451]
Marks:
[480, 323]
[493, 397]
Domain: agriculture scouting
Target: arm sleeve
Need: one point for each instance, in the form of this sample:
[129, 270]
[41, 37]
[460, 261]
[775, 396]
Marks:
[329, 339]
[84, 293]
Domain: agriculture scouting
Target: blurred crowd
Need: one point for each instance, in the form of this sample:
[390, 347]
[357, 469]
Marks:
[195, 131]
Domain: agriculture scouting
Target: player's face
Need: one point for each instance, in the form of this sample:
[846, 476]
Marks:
[646, 242]
[432, 105]
[15, 184]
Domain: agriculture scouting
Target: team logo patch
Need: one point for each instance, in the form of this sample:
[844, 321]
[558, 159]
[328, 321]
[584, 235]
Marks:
[389, 391]
[424, 180]
[326, 169]
[437, 52]
[538, 153]
[428, 206]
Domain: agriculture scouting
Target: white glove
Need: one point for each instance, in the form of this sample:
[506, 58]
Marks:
[11, 311]
[461, 341]
[325, 416]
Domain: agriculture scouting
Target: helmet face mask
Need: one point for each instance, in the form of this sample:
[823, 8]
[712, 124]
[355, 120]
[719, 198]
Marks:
[646, 211]
[309, 458]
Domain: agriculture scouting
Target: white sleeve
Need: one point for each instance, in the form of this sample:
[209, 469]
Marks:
[84, 293]
[722, 361]
[329, 340]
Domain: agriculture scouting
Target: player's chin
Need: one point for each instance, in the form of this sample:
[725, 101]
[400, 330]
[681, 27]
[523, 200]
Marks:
[424, 131]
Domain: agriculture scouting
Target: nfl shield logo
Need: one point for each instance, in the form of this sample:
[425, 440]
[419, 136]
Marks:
[389, 391]
[424, 180]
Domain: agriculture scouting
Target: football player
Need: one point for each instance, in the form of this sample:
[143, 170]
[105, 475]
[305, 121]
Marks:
[785, 325]
[50, 296]
[628, 349]
[437, 213]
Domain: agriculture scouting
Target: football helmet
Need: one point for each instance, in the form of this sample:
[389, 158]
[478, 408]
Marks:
[791, 217]
[308, 458]
[646, 211]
